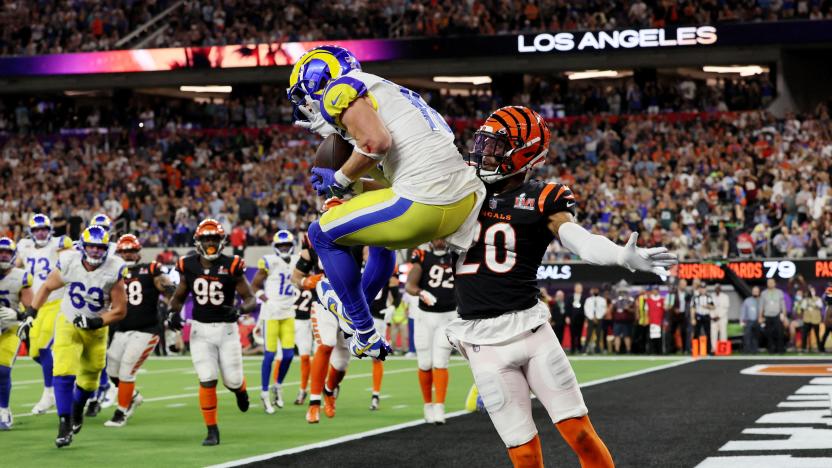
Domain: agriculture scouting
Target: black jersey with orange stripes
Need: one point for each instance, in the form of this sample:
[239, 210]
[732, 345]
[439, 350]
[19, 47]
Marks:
[214, 288]
[142, 299]
[303, 304]
[499, 273]
[437, 278]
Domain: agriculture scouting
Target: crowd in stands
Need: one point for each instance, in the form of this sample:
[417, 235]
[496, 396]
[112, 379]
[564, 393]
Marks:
[39, 27]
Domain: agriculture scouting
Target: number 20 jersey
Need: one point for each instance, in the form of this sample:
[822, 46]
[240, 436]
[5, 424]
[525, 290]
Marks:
[498, 274]
[423, 152]
[214, 288]
[88, 292]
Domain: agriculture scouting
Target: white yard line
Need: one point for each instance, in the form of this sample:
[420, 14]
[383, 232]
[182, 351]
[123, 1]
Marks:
[396, 427]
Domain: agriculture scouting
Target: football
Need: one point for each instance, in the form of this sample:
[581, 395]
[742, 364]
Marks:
[333, 152]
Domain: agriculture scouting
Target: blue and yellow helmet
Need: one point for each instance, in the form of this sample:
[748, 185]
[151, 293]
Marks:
[284, 244]
[315, 69]
[8, 253]
[101, 220]
[43, 225]
[95, 244]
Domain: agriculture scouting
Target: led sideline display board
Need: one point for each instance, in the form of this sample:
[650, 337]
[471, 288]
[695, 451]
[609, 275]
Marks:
[373, 50]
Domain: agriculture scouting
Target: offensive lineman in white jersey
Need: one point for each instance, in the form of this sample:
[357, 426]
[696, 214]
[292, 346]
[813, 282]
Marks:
[95, 298]
[429, 192]
[39, 256]
[273, 283]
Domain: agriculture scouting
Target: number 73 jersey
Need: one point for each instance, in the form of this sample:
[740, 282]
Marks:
[88, 292]
[214, 288]
[498, 274]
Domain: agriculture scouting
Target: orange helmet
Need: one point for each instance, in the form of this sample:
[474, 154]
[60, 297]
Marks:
[128, 248]
[209, 238]
[512, 139]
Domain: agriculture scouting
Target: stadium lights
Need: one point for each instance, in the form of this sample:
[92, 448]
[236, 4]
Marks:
[590, 74]
[746, 70]
[205, 89]
[474, 80]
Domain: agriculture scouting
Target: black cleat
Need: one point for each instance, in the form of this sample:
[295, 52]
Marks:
[93, 408]
[242, 400]
[64, 432]
[119, 419]
[213, 437]
[374, 403]
[77, 418]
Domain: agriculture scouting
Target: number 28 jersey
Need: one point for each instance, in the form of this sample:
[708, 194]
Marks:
[142, 298]
[498, 274]
[214, 288]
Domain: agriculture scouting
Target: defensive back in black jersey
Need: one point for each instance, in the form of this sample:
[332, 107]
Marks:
[303, 304]
[142, 299]
[437, 278]
[214, 289]
[499, 273]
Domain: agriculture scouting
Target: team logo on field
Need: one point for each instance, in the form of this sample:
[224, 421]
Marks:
[524, 203]
[492, 203]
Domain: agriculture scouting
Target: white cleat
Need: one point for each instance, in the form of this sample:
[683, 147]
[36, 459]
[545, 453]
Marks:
[439, 413]
[429, 416]
[333, 304]
[137, 401]
[110, 397]
[6, 419]
[47, 401]
[277, 396]
[267, 402]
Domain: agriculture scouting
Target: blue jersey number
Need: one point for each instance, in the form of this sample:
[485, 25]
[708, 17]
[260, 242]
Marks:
[4, 301]
[434, 120]
[93, 300]
[39, 266]
[285, 288]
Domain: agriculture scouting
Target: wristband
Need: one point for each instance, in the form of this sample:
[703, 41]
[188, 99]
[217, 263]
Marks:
[376, 156]
[342, 179]
[259, 294]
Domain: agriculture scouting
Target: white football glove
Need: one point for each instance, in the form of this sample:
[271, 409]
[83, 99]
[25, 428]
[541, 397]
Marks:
[426, 297]
[7, 315]
[655, 260]
[314, 119]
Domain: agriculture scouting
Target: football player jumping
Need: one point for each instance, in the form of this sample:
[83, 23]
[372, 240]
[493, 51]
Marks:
[429, 191]
[138, 333]
[431, 279]
[15, 289]
[95, 298]
[214, 280]
[38, 254]
[274, 288]
[503, 329]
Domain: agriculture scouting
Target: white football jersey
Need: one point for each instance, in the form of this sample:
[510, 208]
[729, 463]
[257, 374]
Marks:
[11, 284]
[280, 292]
[40, 261]
[88, 292]
[423, 163]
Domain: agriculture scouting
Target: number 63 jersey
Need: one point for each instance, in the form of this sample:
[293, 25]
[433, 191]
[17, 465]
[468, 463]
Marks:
[88, 292]
[213, 288]
[498, 274]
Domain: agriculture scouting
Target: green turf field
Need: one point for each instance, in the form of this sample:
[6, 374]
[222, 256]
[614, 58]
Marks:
[167, 429]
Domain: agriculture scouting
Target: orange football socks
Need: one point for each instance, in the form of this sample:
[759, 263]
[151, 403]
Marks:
[528, 455]
[125, 394]
[581, 436]
[304, 371]
[426, 382]
[208, 405]
[334, 378]
[440, 383]
[320, 363]
[378, 373]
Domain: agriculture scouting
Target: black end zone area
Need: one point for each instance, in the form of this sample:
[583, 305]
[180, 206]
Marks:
[673, 417]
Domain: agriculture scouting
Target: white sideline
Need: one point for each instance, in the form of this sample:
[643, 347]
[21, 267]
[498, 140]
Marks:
[396, 427]
[195, 394]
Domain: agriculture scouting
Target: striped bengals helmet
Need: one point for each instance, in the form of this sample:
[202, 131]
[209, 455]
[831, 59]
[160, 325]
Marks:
[209, 238]
[512, 140]
[128, 248]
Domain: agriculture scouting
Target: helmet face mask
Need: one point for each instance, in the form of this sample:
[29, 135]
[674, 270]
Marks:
[95, 244]
[315, 69]
[94, 254]
[210, 245]
[130, 256]
[8, 253]
[129, 248]
[40, 229]
[284, 251]
[283, 244]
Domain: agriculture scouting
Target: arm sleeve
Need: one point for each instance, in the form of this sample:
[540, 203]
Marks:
[303, 265]
[555, 198]
[154, 269]
[238, 267]
[592, 248]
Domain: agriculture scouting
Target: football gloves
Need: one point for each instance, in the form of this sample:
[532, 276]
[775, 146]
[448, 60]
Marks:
[314, 119]
[88, 323]
[654, 260]
[26, 320]
[428, 298]
[233, 312]
[7, 314]
[175, 321]
[326, 183]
